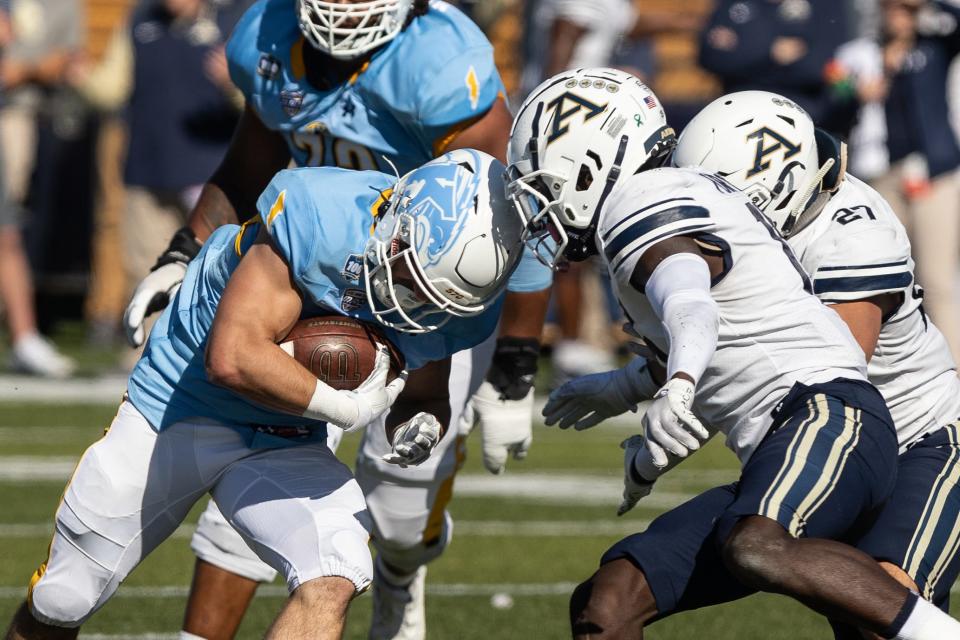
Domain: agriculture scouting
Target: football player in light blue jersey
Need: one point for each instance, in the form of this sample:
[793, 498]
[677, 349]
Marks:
[216, 405]
[363, 85]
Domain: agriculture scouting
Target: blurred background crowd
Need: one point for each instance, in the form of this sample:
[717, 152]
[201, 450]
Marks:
[114, 112]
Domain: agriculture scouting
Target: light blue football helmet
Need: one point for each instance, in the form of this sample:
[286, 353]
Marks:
[446, 244]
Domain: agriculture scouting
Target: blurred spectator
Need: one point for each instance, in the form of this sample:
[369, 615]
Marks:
[783, 46]
[35, 50]
[170, 70]
[861, 62]
[569, 34]
[919, 41]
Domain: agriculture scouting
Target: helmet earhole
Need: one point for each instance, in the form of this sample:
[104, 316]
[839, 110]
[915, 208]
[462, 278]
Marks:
[584, 178]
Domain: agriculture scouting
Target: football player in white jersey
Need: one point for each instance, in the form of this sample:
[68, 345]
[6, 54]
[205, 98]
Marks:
[747, 349]
[364, 84]
[856, 250]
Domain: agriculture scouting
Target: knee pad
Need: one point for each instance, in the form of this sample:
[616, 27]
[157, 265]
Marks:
[407, 551]
[61, 604]
[217, 542]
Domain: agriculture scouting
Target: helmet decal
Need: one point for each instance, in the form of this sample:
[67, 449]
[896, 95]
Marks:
[760, 163]
[560, 116]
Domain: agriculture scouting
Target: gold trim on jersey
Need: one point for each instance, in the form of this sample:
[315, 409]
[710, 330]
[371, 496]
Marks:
[298, 68]
[238, 241]
[356, 74]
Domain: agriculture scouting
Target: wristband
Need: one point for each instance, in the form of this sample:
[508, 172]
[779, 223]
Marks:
[514, 367]
[183, 248]
[329, 405]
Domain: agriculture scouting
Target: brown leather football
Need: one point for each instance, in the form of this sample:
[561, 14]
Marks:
[339, 350]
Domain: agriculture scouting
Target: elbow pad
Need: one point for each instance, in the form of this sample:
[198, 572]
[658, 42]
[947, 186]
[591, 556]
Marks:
[679, 293]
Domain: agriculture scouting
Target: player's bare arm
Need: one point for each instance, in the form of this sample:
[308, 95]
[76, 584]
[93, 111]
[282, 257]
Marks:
[259, 307]
[865, 318]
[490, 133]
[255, 154]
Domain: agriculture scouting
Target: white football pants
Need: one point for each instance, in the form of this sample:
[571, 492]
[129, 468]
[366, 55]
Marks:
[411, 526]
[299, 508]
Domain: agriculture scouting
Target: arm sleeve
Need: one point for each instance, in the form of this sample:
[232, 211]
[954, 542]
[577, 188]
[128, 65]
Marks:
[868, 263]
[679, 293]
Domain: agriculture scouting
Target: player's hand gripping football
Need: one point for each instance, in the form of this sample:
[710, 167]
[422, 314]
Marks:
[506, 426]
[414, 440]
[588, 400]
[669, 424]
[374, 396]
[635, 488]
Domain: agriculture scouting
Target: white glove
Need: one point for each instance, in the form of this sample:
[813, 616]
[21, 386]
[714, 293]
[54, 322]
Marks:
[374, 396]
[588, 400]
[669, 423]
[634, 487]
[506, 426]
[414, 440]
[351, 410]
[152, 294]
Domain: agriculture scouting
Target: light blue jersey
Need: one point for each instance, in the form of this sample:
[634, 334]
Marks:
[435, 78]
[319, 220]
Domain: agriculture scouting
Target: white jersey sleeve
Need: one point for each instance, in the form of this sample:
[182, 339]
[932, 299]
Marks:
[861, 252]
[655, 209]
[857, 249]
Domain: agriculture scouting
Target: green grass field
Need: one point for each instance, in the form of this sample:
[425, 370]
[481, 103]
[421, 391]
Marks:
[533, 544]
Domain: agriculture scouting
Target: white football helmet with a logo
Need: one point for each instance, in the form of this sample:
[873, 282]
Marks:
[346, 30]
[573, 137]
[768, 147]
[446, 244]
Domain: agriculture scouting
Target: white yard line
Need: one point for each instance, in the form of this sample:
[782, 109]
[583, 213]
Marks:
[450, 589]
[109, 389]
[102, 390]
[129, 636]
[473, 528]
[578, 489]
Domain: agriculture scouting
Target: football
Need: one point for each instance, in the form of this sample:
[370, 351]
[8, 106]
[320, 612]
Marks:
[339, 350]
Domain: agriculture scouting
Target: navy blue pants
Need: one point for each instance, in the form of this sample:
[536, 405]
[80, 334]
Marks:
[825, 470]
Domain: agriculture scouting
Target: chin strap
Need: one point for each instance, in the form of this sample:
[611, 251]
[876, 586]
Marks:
[833, 154]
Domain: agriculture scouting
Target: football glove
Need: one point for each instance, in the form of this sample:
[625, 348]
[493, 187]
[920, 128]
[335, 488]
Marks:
[414, 440]
[506, 426]
[156, 290]
[359, 407]
[374, 396]
[635, 488]
[669, 424]
[588, 400]
[514, 367]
